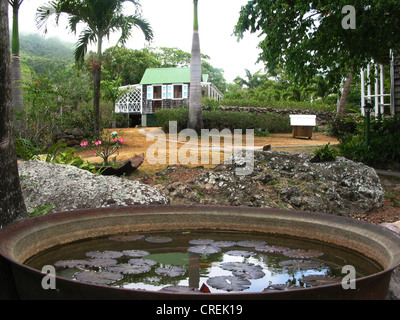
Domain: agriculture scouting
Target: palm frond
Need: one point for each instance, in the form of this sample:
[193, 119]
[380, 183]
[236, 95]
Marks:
[43, 14]
[138, 22]
[86, 36]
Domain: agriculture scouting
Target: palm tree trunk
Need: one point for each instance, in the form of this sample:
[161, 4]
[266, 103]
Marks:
[346, 90]
[12, 203]
[96, 89]
[195, 105]
[18, 102]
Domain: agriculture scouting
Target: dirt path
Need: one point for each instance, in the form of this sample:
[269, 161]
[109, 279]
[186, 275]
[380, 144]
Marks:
[138, 141]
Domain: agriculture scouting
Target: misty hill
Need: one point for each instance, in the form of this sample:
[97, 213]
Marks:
[39, 52]
[36, 45]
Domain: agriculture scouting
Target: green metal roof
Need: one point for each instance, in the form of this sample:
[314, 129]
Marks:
[168, 75]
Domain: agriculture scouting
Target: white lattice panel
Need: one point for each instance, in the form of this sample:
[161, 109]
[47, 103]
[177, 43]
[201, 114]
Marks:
[131, 101]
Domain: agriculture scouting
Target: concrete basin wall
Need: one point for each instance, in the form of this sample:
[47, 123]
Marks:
[22, 240]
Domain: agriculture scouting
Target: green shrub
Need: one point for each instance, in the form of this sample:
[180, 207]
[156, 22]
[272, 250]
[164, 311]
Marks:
[342, 126]
[180, 115]
[292, 105]
[324, 154]
[219, 119]
[26, 150]
[41, 210]
[384, 146]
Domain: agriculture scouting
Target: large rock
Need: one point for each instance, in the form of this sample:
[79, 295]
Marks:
[69, 188]
[287, 181]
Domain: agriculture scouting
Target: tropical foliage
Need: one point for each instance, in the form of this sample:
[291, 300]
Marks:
[216, 119]
[383, 150]
[307, 39]
[101, 18]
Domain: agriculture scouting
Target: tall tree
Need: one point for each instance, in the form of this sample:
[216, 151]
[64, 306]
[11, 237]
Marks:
[195, 107]
[18, 102]
[310, 37]
[12, 205]
[101, 18]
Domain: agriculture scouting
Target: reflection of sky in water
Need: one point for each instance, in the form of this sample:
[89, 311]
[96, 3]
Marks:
[273, 274]
[202, 267]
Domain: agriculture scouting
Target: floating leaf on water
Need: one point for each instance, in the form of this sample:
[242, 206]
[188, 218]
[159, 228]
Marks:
[229, 283]
[205, 249]
[244, 270]
[172, 271]
[101, 278]
[158, 239]
[301, 264]
[148, 262]
[235, 265]
[251, 243]
[224, 244]
[135, 253]
[201, 241]
[241, 253]
[70, 263]
[101, 263]
[280, 287]
[180, 289]
[303, 254]
[127, 268]
[126, 237]
[249, 273]
[320, 280]
[271, 249]
[104, 254]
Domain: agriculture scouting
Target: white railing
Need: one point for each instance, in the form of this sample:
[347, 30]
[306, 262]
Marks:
[131, 100]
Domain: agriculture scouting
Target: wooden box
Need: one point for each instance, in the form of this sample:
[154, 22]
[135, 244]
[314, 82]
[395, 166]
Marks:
[302, 125]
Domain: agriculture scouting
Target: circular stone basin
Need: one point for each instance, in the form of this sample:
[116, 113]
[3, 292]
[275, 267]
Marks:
[23, 240]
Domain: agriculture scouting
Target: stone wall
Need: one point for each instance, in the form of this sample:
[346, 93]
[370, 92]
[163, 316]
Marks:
[72, 137]
[323, 117]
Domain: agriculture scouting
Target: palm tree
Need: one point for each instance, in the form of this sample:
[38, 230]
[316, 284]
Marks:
[12, 203]
[346, 90]
[101, 18]
[195, 107]
[18, 102]
[322, 88]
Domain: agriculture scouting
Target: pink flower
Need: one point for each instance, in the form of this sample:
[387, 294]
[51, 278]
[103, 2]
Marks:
[95, 153]
[121, 140]
[84, 143]
[97, 143]
[115, 139]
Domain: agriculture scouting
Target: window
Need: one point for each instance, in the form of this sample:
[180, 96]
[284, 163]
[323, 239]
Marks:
[178, 92]
[157, 92]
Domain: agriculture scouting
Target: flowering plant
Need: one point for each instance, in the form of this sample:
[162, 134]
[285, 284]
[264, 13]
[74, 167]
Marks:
[261, 133]
[105, 147]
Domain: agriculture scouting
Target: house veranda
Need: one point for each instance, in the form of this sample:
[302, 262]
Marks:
[160, 88]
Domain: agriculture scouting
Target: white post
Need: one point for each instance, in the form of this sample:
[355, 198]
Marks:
[382, 91]
[392, 108]
[369, 82]
[376, 92]
[362, 91]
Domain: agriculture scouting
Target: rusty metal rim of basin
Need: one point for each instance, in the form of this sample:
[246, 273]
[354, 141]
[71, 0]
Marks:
[22, 240]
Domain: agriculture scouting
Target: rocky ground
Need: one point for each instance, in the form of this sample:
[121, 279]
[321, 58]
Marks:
[186, 185]
[285, 186]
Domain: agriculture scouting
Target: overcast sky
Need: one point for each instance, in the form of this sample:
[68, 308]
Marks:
[172, 23]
